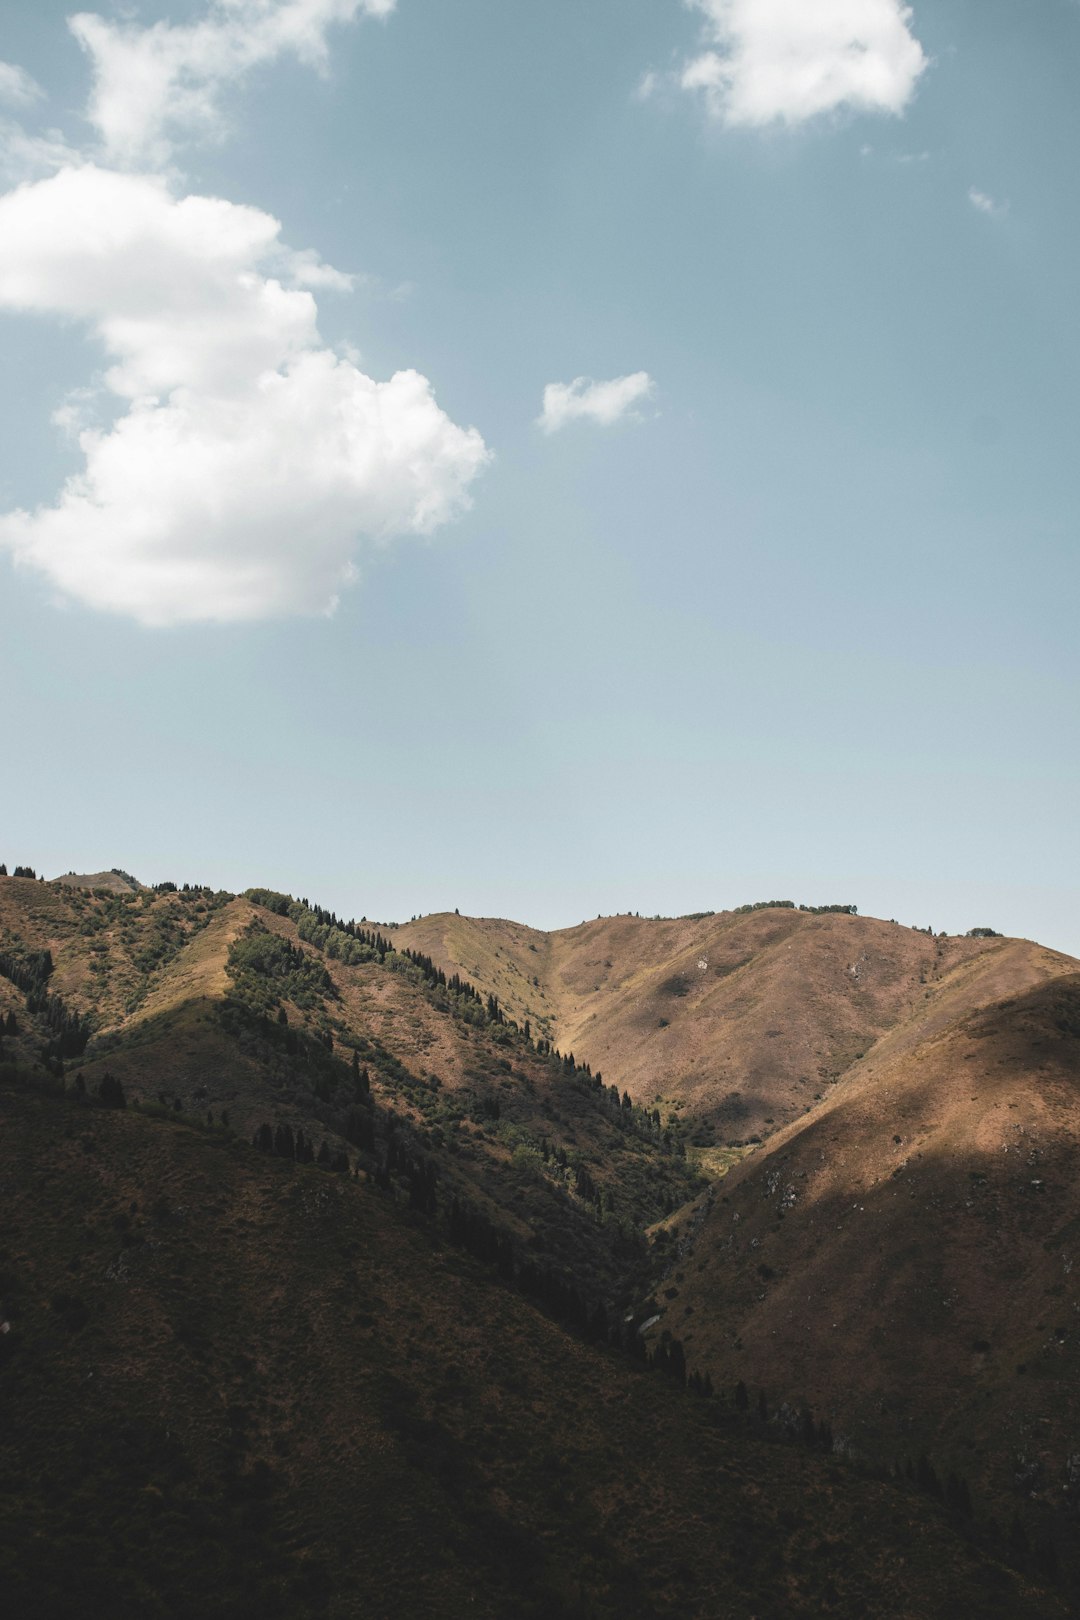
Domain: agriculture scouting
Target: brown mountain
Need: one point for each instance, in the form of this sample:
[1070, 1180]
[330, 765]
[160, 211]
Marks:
[896, 1259]
[741, 1021]
[214, 1005]
[904, 1259]
[237, 1386]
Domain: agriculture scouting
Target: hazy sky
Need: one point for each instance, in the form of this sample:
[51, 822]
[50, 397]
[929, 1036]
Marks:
[546, 459]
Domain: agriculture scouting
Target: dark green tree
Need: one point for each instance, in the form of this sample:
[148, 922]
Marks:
[111, 1092]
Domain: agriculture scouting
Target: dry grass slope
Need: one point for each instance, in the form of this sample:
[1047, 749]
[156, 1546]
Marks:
[905, 1258]
[742, 1021]
[236, 1386]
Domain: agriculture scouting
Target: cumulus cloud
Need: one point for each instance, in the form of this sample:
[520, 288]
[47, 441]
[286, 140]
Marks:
[583, 399]
[790, 60]
[17, 88]
[152, 83]
[245, 458]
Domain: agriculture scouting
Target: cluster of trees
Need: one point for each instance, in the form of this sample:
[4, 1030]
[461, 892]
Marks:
[348, 942]
[352, 942]
[287, 1144]
[30, 971]
[19, 871]
[789, 905]
[764, 905]
[455, 985]
[265, 968]
[475, 1232]
[419, 1174]
[646, 1121]
[110, 1093]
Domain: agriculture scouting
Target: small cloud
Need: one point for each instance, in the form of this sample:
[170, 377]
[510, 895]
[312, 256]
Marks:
[985, 204]
[647, 85]
[787, 61]
[17, 88]
[602, 402]
[306, 269]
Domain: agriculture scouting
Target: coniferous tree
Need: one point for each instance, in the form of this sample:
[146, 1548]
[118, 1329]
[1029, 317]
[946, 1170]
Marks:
[111, 1092]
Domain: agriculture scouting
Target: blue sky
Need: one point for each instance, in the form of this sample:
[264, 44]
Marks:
[790, 611]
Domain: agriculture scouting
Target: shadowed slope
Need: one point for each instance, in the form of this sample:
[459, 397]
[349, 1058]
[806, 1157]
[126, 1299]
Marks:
[905, 1260]
[235, 1386]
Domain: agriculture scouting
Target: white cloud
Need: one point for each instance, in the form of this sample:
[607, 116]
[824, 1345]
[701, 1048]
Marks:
[149, 82]
[986, 204]
[17, 88]
[583, 399]
[246, 459]
[23, 155]
[790, 60]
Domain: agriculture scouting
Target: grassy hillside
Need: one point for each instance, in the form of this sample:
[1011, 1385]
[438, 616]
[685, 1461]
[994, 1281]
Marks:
[237, 1386]
[741, 1022]
[364, 1250]
[216, 1006]
[904, 1259]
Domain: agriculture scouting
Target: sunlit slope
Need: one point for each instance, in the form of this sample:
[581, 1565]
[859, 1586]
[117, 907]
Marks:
[238, 1386]
[110, 948]
[538, 1149]
[906, 1259]
[744, 1020]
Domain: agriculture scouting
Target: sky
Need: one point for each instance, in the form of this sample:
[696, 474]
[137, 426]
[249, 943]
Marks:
[546, 460]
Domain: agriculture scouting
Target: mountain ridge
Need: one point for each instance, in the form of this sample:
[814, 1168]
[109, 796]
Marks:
[636, 1216]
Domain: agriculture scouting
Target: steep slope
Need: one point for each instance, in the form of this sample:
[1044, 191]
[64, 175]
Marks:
[741, 1020]
[905, 1259]
[368, 1060]
[237, 1386]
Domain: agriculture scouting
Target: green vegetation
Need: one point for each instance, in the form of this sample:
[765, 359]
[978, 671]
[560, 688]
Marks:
[789, 905]
[267, 970]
